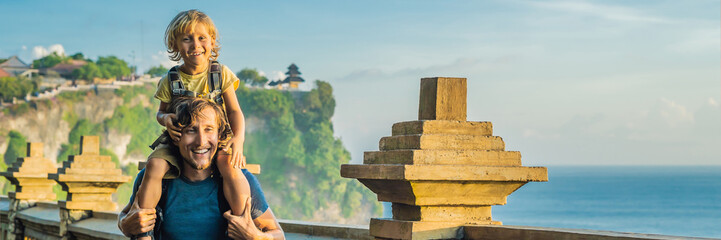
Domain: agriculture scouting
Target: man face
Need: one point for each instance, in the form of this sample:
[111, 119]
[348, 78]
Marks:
[199, 141]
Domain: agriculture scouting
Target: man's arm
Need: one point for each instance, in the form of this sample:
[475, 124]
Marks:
[266, 226]
[133, 220]
[267, 223]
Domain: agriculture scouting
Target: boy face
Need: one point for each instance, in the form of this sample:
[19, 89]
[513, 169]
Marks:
[199, 142]
[195, 47]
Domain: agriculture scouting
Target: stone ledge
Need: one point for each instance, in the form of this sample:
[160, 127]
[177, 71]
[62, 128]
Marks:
[542, 233]
[443, 172]
[398, 229]
[325, 229]
[442, 127]
[444, 157]
[442, 193]
[96, 228]
[442, 141]
[42, 214]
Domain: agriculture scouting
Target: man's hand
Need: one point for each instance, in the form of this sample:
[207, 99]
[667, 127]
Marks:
[137, 220]
[169, 120]
[242, 227]
[237, 159]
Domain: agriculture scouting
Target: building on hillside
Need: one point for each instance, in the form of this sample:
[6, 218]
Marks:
[290, 82]
[65, 69]
[3, 73]
[16, 67]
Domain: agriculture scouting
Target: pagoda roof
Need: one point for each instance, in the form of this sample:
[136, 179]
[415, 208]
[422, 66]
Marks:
[14, 62]
[292, 70]
[293, 79]
[273, 83]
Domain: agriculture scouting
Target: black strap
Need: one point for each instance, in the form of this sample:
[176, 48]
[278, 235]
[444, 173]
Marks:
[177, 88]
[216, 83]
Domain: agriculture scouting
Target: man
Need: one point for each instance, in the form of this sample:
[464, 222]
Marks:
[193, 205]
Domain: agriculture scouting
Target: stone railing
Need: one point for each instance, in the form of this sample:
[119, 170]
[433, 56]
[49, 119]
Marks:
[441, 173]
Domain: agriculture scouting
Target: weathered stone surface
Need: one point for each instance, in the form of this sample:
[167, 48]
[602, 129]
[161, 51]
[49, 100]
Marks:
[398, 229]
[35, 150]
[442, 141]
[442, 99]
[426, 193]
[29, 175]
[456, 213]
[444, 157]
[442, 127]
[89, 145]
[90, 179]
[444, 172]
[88, 164]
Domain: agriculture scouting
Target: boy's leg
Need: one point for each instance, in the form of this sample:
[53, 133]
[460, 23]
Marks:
[150, 188]
[235, 185]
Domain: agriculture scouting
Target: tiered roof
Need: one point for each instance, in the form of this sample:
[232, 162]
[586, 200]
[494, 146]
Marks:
[293, 75]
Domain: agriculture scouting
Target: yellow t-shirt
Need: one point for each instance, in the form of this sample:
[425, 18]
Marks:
[197, 83]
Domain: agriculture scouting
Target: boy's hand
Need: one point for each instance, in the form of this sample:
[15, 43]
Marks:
[237, 159]
[168, 121]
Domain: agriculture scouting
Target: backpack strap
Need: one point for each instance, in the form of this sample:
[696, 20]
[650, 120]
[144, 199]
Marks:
[216, 83]
[177, 88]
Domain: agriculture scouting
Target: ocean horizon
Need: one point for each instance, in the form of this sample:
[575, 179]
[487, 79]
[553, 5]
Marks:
[667, 200]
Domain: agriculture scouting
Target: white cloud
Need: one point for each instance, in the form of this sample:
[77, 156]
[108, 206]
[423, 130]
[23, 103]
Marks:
[712, 102]
[40, 51]
[24, 47]
[603, 11]
[674, 113]
[162, 58]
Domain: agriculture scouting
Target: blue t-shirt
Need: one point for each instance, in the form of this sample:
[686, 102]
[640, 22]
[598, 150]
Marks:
[194, 210]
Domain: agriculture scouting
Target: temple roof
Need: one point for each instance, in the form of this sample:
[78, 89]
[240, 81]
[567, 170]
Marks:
[292, 70]
[14, 62]
[293, 79]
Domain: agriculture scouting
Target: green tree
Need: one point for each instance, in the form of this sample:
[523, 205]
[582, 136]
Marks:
[16, 87]
[157, 71]
[112, 66]
[17, 147]
[88, 72]
[49, 60]
[78, 56]
[252, 77]
[247, 75]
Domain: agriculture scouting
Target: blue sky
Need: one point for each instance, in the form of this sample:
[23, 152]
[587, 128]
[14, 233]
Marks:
[564, 82]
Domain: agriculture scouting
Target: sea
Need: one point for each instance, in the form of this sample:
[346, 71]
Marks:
[667, 200]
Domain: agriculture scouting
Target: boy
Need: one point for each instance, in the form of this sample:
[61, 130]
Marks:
[192, 37]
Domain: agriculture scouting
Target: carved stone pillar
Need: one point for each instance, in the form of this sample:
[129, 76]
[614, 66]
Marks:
[29, 175]
[90, 180]
[440, 172]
